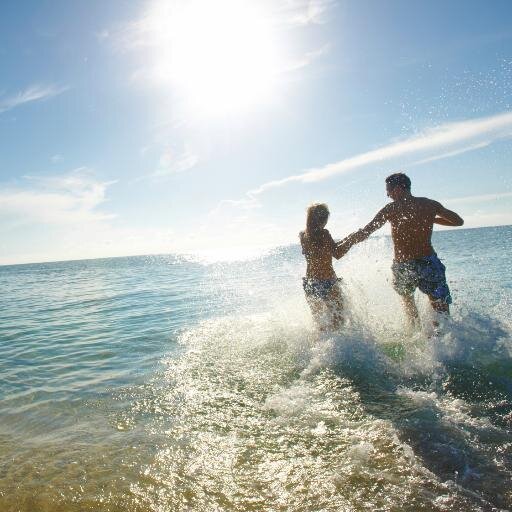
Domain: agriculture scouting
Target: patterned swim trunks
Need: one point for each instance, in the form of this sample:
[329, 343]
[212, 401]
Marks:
[427, 274]
[319, 288]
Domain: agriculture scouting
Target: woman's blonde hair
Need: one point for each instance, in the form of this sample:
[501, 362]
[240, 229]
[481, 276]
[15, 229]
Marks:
[317, 215]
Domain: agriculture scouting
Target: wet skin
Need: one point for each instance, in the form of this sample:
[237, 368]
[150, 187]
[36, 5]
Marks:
[412, 220]
[319, 255]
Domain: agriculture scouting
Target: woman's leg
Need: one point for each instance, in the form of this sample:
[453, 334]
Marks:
[335, 304]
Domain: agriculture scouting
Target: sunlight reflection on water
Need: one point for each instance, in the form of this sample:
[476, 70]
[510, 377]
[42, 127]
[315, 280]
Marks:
[166, 384]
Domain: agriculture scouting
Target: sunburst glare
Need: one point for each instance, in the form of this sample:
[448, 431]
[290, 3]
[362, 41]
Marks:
[221, 56]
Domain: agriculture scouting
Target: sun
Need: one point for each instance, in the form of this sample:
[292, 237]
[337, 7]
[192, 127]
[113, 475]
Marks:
[220, 55]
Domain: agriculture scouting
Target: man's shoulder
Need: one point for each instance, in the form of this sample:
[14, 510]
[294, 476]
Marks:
[388, 209]
[426, 201]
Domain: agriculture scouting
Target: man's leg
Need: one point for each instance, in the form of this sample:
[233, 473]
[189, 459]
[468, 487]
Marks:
[439, 306]
[433, 283]
[404, 283]
[410, 309]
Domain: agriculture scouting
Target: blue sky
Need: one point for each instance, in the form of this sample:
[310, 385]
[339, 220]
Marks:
[171, 126]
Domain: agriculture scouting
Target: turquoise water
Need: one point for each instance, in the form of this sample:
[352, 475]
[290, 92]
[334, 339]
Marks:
[168, 383]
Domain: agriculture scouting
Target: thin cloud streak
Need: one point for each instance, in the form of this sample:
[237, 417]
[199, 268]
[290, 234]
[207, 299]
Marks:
[308, 58]
[304, 12]
[456, 152]
[483, 198]
[170, 164]
[442, 137]
[30, 94]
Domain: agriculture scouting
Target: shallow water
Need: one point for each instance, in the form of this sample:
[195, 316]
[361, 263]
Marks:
[168, 384]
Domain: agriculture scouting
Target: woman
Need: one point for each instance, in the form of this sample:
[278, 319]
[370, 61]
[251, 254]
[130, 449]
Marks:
[321, 285]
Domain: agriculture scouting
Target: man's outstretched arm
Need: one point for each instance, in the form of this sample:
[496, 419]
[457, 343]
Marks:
[446, 217]
[358, 236]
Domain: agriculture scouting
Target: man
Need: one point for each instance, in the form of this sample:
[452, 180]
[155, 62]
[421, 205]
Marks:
[415, 264]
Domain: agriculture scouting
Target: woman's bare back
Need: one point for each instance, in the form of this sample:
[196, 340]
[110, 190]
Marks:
[319, 253]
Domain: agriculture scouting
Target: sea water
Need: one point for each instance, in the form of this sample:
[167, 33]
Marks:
[172, 383]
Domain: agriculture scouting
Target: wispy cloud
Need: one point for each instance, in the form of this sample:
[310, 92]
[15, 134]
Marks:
[482, 198]
[308, 58]
[455, 152]
[66, 199]
[102, 35]
[304, 12]
[33, 93]
[447, 136]
[63, 214]
[170, 163]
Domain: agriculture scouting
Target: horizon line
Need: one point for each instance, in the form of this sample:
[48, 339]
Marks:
[186, 254]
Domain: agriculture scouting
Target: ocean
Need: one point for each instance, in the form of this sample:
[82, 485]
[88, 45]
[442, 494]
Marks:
[174, 383]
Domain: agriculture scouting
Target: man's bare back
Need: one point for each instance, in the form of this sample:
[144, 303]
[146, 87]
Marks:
[412, 220]
[415, 262]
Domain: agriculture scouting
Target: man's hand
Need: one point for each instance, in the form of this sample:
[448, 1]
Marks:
[377, 222]
[341, 248]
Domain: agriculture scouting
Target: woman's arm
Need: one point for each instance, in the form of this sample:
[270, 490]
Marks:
[341, 248]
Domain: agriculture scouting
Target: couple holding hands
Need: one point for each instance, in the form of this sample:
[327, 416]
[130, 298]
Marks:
[415, 263]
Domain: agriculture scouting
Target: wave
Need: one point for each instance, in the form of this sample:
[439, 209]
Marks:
[267, 414]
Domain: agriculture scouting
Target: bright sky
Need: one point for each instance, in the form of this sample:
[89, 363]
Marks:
[159, 126]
